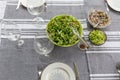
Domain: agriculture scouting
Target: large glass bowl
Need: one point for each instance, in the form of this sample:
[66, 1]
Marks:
[59, 31]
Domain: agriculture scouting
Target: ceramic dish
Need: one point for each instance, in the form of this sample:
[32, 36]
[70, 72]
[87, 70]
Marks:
[82, 46]
[97, 37]
[98, 18]
[32, 3]
[58, 71]
[114, 4]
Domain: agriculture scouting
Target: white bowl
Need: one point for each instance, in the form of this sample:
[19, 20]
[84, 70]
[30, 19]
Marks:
[95, 25]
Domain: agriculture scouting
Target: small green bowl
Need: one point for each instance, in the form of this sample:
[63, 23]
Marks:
[97, 37]
[59, 32]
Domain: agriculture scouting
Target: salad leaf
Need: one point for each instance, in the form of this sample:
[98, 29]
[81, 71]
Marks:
[59, 31]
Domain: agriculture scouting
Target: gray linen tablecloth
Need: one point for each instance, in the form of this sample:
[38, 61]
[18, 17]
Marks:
[103, 60]
[20, 63]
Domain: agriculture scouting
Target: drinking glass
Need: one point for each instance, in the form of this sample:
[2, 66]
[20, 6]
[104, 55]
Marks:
[39, 22]
[43, 45]
[36, 10]
[12, 32]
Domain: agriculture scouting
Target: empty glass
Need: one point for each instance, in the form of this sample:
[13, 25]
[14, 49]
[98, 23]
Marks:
[43, 45]
[12, 32]
[36, 10]
[39, 22]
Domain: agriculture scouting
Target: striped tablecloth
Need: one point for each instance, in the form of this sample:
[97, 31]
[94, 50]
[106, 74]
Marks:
[101, 59]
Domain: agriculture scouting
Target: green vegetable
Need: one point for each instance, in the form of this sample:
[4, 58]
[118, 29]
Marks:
[97, 37]
[59, 31]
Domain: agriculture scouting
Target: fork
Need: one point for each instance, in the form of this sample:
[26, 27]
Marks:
[96, 25]
[76, 71]
[106, 5]
[118, 67]
[77, 33]
[39, 69]
[18, 5]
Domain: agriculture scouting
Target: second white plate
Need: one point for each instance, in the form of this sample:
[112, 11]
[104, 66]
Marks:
[32, 3]
[58, 71]
[114, 4]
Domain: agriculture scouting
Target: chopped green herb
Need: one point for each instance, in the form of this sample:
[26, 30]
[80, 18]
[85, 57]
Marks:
[59, 31]
[97, 37]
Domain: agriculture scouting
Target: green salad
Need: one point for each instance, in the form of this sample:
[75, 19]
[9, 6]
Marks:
[59, 31]
[97, 37]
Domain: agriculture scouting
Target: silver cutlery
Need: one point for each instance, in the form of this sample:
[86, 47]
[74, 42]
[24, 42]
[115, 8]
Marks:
[77, 34]
[76, 71]
[18, 5]
[39, 69]
[45, 6]
[106, 5]
[96, 25]
[118, 67]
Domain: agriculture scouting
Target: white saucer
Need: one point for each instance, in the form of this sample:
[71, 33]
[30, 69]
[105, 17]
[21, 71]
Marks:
[32, 3]
[58, 71]
[114, 4]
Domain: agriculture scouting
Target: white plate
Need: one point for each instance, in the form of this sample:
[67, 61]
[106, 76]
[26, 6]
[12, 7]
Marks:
[32, 3]
[114, 4]
[58, 71]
